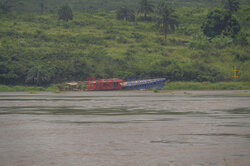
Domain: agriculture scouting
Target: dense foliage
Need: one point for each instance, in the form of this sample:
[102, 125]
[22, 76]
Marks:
[65, 13]
[145, 7]
[7, 5]
[126, 14]
[39, 49]
[166, 20]
[232, 5]
[107, 5]
[218, 22]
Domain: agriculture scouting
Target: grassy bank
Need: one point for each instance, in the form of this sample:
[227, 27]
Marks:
[207, 86]
[40, 49]
[167, 86]
[31, 89]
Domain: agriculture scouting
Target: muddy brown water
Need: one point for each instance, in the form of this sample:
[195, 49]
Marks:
[137, 128]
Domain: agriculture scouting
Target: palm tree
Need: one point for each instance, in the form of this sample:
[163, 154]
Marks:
[145, 7]
[124, 13]
[166, 20]
[65, 13]
[232, 5]
[42, 7]
[38, 75]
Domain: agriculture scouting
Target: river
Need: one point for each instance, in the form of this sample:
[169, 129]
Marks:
[125, 128]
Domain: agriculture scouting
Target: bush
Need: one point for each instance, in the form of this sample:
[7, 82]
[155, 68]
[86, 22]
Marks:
[122, 39]
[4, 7]
[147, 18]
[242, 57]
[124, 13]
[245, 72]
[65, 13]
[137, 36]
[176, 42]
[199, 41]
[207, 86]
[220, 22]
[221, 42]
[240, 39]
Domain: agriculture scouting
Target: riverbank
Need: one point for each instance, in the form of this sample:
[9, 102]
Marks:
[31, 89]
[207, 86]
[167, 86]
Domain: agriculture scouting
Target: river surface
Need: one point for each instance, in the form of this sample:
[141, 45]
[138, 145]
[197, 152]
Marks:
[136, 128]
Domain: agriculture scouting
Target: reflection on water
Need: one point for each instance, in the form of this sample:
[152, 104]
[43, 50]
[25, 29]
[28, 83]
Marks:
[142, 128]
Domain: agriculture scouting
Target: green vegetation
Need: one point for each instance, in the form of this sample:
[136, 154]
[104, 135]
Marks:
[106, 5]
[218, 22]
[65, 13]
[166, 20]
[38, 49]
[156, 90]
[168, 86]
[207, 86]
[145, 7]
[232, 5]
[7, 5]
[30, 89]
[124, 13]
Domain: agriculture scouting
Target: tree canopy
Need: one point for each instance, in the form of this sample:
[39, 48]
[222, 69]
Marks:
[65, 13]
[124, 13]
[166, 20]
[145, 7]
[6, 5]
[220, 22]
[232, 5]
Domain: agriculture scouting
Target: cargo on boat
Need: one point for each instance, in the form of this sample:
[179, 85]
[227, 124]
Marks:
[113, 84]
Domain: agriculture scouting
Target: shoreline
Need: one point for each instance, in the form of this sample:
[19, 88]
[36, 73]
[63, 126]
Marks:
[170, 86]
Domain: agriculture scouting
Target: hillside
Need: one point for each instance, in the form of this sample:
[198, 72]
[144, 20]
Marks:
[107, 5]
[95, 44]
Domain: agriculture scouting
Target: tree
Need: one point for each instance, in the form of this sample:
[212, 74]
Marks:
[232, 5]
[39, 75]
[65, 13]
[220, 22]
[42, 7]
[166, 20]
[145, 7]
[241, 39]
[6, 5]
[124, 13]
